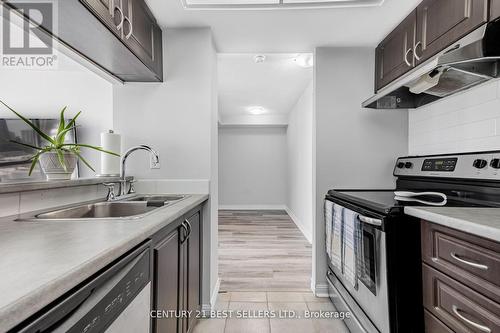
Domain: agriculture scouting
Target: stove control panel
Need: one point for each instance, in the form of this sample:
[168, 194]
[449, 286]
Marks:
[483, 165]
[440, 164]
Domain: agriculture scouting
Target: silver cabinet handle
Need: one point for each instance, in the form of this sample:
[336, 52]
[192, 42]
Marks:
[131, 28]
[188, 224]
[120, 25]
[370, 220]
[469, 263]
[470, 322]
[415, 51]
[406, 57]
[183, 225]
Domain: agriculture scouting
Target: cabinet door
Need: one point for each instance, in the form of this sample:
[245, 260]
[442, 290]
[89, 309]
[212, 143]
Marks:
[167, 282]
[108, 11]
[394, 55]
[440, 23]
[142, 35]
[494, 9]
[193, 268]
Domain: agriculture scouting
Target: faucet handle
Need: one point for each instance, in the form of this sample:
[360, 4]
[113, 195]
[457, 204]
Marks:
[131, 188]
[111, 191]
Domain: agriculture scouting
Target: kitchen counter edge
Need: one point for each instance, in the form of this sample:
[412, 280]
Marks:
[482, 222]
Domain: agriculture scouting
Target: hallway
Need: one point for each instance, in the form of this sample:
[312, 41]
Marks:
[262, 250]
[265, 266]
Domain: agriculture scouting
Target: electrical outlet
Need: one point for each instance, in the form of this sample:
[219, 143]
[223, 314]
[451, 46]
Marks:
[153, 164]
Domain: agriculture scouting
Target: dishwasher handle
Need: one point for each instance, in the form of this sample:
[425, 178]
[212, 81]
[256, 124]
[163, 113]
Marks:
[68, 311]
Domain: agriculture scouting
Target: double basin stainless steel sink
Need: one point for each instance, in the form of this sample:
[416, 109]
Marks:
[127, 208]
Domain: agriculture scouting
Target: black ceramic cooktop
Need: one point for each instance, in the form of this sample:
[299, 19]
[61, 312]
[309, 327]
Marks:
[383, 201]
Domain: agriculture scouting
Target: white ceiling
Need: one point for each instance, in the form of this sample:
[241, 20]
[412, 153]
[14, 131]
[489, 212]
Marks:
[275, 84]
[287, 30]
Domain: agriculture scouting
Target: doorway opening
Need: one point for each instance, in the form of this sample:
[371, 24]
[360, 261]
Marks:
[265, 172]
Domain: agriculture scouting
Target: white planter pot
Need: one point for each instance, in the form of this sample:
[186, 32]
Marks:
[52, 167]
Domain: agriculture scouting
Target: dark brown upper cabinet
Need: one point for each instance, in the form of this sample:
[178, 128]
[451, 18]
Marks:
[119, 36]
[494, 10]
[394, 55]
[107, 12]
[440, 23]
[141, 33]
[432, 27]
[135, 25]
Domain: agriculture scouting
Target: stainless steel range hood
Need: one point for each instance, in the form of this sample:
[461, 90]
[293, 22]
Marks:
[469, 62]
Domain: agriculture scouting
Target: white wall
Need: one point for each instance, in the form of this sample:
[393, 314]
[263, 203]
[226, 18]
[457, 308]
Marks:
[461, 123]
[354, 147]
[178, 118]
[252, 167]
[299, 200]
[43, 93]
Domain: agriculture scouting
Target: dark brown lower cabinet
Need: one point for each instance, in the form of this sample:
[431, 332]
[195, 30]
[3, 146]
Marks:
[460, 308]
[461, 281]
[178, 276]
[193, 248]
[166, 281]
[434, 325]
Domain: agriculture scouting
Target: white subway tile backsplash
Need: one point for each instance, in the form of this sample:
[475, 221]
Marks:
[461, 123]
[476, 130]
[491, 143]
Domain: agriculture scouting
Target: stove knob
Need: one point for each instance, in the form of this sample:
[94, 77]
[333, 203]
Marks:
[408, 165]
[479, 163]
[400, 165]
[495, 163]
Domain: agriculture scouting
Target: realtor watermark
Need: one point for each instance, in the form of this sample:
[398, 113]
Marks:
[26, 41]
[251, 314]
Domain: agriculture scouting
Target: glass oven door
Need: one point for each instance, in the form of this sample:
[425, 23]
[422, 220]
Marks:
[368, 257]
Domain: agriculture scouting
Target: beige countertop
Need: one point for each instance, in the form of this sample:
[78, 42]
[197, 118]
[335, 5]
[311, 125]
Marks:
[483, 222]
[42, 260]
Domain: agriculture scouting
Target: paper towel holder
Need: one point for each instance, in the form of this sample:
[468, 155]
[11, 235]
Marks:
[103, 174]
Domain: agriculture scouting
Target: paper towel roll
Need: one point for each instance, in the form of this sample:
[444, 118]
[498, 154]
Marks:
[110, 164]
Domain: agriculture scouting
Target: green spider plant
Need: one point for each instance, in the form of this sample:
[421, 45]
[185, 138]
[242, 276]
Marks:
[56, 143]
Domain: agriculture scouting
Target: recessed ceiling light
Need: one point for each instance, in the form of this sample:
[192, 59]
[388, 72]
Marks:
[259, 58]
[256, 110]
[304, 60]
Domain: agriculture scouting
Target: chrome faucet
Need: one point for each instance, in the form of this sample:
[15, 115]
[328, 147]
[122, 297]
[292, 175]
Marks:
[123, 180]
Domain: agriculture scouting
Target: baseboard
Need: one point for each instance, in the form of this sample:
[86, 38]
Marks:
[213, 298]
[307, 233]
[320, 289]
[252, 207]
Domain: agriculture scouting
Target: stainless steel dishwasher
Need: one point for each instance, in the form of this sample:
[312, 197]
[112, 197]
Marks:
[117, 300]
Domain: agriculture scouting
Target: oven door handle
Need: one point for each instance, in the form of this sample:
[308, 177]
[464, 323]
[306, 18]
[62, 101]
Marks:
[370, 220]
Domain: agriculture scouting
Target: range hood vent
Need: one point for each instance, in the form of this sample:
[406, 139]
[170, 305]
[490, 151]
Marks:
[471, 61]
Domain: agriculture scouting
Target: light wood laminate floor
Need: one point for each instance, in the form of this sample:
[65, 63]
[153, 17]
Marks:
[262, 251]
